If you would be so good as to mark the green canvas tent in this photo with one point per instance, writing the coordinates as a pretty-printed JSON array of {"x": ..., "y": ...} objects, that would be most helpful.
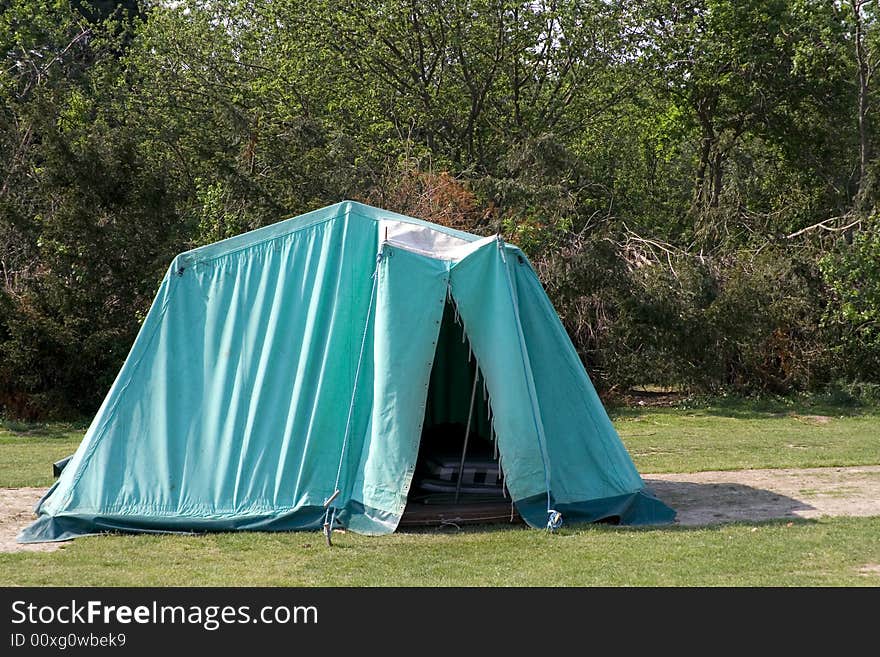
[{"x": 290, "y": 374}]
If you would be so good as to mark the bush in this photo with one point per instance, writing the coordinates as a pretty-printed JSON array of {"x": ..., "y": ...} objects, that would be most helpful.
[
  {"x": 740, "y": 322},
  {"x": 852, "y": 317}
]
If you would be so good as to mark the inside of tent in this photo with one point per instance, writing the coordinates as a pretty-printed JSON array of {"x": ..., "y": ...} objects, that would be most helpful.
[{"x": 458, "y": 475}]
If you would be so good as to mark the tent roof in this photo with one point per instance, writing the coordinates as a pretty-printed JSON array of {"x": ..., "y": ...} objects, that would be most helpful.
[{"x": 295, "y": 224}]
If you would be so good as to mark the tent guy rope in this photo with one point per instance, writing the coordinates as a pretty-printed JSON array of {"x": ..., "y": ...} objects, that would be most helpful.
[{"x": 330, "y": 513}]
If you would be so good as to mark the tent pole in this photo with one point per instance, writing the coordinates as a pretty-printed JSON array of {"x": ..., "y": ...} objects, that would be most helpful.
[{"x": 467, "y": 433}]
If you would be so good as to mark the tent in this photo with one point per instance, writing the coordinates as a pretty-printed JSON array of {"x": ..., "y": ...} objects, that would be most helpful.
[{"x": 292, "y": 373}]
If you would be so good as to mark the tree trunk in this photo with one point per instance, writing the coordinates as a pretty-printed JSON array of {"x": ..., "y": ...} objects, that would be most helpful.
[
  {"x": 717, "y": 178},
  {"x": 703, "y": 183},
  {"x": 863, "y": 73},
  {"x": 700, "y": 181}
]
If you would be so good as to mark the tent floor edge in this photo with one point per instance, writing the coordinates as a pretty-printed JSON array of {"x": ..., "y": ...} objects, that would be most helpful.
[{"x": 634, "y": 509}]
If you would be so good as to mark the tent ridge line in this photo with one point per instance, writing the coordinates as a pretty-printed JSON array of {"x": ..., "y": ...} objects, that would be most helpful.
[{"x": 352, "y": 211}]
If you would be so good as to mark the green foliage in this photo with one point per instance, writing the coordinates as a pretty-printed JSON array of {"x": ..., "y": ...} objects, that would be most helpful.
[
  {"x": 852, "y": 270},
  {"x": 651, "y": 158},
  {"x": 729, "y": 73},
  {"x": 87, "y": 215},
  {"x": 763, "y": 323}
]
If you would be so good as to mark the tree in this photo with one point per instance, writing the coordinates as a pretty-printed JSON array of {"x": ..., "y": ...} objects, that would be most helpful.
[
  {"x": 735, "y": 70},
  {"x": 852, "y": 269},
  {"x": 863, "y": 18},
  {"x": 86, "y": 217}
]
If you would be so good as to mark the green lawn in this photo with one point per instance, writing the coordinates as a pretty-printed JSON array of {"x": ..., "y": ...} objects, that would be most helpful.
[
  {"x": 827, "y": 552},
  {"x": 838, "y": 552},
  {"x": 748, "y": 435},
  {"x": 27, "y": 451}
]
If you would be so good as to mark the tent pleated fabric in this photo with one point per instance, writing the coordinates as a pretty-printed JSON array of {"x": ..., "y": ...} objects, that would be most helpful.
[{"x": 284, "y": 366}]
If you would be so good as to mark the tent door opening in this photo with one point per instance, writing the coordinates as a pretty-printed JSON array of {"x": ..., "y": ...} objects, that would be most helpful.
[{"x": 458, "y": 476}]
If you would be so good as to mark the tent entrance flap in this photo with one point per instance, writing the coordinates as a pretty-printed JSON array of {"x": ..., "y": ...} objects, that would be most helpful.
[{"x": 458, "y": 475}]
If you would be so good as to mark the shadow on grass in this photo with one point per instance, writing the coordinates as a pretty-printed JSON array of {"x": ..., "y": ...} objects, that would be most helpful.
[
  {"x": 811, "y": 412},
  {"x": 702, "y": 504},
  {"x": 448, "y": 527},
  {"x": 18, "y": 429},
  {"x": 699, "y": 506},
  {"x": 314, "y": 539}
]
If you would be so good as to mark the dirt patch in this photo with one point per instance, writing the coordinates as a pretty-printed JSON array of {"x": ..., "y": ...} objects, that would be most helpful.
[
  {"x": 650, "y": 398},
  {"x": 815, "y": 420},
  {"x": 16, "y": 511},
  {"x": 703, "y": 498}
]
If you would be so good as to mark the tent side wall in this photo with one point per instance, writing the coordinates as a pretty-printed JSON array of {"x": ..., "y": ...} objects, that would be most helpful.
[
  {"x": 480, "y": 290},
  {"x": 409, "y": 301},
  {"x": 48, "y": 526},
  {"x": 552, "y": 429},
  {"x": 592, "y": 476},
  {"x": 229, "y": 411}
]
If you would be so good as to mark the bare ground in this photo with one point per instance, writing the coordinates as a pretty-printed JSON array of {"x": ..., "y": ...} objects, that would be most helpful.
[
  {"x": 704, "y": 498},
  {"x": 16, "y": 511},
  {"x": 701, "y": 498}
]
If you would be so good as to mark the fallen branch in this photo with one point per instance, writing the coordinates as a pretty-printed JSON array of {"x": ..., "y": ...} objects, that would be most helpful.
[{"x": 823, "y": 225}]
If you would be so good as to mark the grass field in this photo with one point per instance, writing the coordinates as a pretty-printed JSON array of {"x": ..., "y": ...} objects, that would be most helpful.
[
  {"x": 827, "y": 552},
  {"x": 743, "y": 435},
  {"x": 830, "y": 552},
  {"x": 27, "y": 451}
]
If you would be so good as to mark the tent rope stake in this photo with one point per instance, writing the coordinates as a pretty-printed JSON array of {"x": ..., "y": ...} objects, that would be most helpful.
[{"x": 330, "y": 513}]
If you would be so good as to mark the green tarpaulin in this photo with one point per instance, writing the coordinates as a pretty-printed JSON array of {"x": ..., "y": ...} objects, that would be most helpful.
[{"x": 279, "y": 366}]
